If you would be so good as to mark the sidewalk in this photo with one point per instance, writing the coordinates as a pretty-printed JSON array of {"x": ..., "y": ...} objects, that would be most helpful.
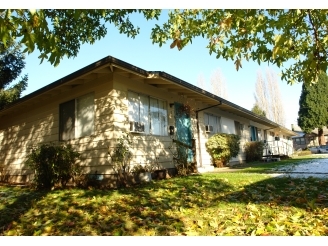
[{"x": 234, "y": 168}]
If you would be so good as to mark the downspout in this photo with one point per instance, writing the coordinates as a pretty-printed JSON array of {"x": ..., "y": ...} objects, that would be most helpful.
[{"x": 198, "y": 132}]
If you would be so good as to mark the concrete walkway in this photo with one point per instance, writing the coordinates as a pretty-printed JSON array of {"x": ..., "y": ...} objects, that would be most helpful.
[
  {"x": 235, "y": 168},
  {"x": 308, "y": 168}
]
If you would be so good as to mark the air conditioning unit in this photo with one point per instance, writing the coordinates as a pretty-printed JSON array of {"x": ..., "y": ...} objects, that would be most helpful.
[
  {"x": 208, "y": 128},
  {"x": 137, "y": 126}
]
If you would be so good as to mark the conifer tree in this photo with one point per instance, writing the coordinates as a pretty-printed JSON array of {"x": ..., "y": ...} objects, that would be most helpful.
[
  {"x": 313, "y": 111},
  {"x": 11, "y": 65},
  {"x": 258, "y": 110}
]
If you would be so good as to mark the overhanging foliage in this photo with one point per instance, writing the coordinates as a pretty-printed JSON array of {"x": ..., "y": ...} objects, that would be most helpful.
[{"x": 298, "y": 36}]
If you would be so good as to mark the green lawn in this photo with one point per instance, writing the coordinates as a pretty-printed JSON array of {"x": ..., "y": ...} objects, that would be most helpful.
[{"x": 238, "y": 203}]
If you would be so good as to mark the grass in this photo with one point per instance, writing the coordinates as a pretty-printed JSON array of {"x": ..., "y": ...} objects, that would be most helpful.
[{"x": 238, "y": 203}]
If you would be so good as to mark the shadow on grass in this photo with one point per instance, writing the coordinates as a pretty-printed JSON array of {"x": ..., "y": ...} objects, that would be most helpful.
[
  {"x": 15, "y": 202},
  {"x": 147, "y": 209},
  {"x": 157, "y": 208}
]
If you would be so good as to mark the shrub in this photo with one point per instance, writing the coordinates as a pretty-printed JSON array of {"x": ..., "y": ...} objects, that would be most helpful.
[
  {"x": 222, "y": 147},
  {"x": 304, "y": 152},
  {"x": 53, "y": 164},
  {"x": 121, "y": 157},
  {"x": 254, "y": 151}
]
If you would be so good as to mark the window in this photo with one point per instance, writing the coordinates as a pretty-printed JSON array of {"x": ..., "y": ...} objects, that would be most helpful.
[
  {"x": 265, "y": 133},
  {"x": 76, "y": 118},
  {"x": 254, "y": 133},
  {"x": 259, "y": 134},
  {"x": 214, "y": 121},
  {"x": 299, "y": 141},
  {"x": 149, "y": 111},
  {"x": 237, "y": 128}
]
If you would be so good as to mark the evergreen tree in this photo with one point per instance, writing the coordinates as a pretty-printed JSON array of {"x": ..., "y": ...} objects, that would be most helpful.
[
  {"x": 257, "y": 110},
  {"x": 313, "y": 111},
  {"x": 11, "y": 65}
]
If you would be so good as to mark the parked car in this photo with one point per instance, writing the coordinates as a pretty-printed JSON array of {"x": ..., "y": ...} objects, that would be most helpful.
[
  {"x": 323, "y": 149},
  {"x": 319, "y": 149}
]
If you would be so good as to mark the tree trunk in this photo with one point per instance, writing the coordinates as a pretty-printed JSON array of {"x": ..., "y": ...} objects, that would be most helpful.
[{"x": 321, "y": 137}]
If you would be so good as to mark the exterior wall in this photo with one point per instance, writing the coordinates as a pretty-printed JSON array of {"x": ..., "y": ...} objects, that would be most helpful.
[
  {"x": 227, "y": 126},
  {"x": 40, "y": 124},
  {"x": 309, "y": 139},
  {"x": 145, "y": 147},
  {"x": 21, "y": 132}
]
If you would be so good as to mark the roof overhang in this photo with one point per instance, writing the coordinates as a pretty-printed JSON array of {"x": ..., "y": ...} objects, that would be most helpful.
[{"x": 157, "y": 79}]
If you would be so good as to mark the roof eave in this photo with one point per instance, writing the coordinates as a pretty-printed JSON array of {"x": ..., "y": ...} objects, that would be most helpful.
[{"x": 133, "y": 69}]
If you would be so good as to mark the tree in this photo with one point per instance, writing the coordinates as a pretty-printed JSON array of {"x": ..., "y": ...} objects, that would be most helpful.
[
  {"x": 257, "y": 110},
  {"x": 261, "y": 94},
  {"x": 58, "y": 32},
  {"x": 218, "y": 84},
  {"x": 201, "y": 81},
  {"x": 313, "y": 104},
  {"x": 268, "y": 98},
  {"x": 270, "y": 36},
  {"x": 11, "y": 65}
]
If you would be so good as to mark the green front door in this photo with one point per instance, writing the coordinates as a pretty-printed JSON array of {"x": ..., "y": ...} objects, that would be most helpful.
[{"x": 183, "y": 126}]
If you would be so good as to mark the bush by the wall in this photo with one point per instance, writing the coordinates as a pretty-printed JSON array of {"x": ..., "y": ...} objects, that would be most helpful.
[
  {"x": 53, "y": 164},
  {"x": 121, "y": 157},
  {"x": 254, "y": 151},
  {"x": 222, "y": 147}
]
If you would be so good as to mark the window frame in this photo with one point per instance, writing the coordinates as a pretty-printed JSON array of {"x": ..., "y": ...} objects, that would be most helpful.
[
  {"x": 77, "y": 121},
  {"x": 216, "y": 128},
  {"x": 149, "y": 122},
  {"x": 256, "y": 133},
  {"x": 259, "y": 134},
  {"x": 238, "y": 131}
]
